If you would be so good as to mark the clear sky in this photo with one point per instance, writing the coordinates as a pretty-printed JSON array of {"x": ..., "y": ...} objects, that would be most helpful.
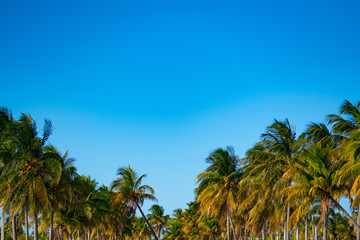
[{"x": 160, "y": 84}]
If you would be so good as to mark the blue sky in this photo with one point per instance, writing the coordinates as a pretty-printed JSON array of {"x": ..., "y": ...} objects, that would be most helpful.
[{"x": 160, "y": 84}]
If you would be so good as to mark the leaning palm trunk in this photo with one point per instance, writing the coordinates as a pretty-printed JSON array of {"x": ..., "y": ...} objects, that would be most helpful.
[
  {"x": 147, "y": 222},
  {"x": 36, "y": 235},
  {"x": 14, "y": 228},
  {"x": 2, "y": 223},
  {"x": 337, "y": 205}
]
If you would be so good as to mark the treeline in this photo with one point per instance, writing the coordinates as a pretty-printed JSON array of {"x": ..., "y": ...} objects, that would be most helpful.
[
  {"x": 286, "y": 187},
  {"x": 41, "y": 190}
]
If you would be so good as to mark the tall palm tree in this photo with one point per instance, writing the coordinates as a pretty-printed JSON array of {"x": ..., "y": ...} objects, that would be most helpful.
[
  {"x": 217, "y": 188},
  {"x": 280, "y": 139},
  {"x": 33, "y": 167},
  {"x": 128, "y": 189}
]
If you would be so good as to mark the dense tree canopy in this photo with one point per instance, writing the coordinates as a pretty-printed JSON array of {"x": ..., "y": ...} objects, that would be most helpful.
[{"x": 288, "y": 186}]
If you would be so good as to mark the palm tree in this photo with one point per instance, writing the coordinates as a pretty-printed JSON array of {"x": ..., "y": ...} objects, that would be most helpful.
[
  {"x": 209, "y": 227},
  {"x": 60, "y": 191},
  {"x": 175, "y": 227},
  {"x": 280, "y": 139},
  {"x": 315, "y": 178},
  {"x": 190, "y": 218},
  {"x": 157, "y": 218},
  {"x": 217, "y": 188},
  {"x": 348, "y": 128},
  {"x": 24, "y": 177},
  {"x": 258, "y": 190},
  {"x": 33, "y": 167},
  {"x": 128, "y": 190}
]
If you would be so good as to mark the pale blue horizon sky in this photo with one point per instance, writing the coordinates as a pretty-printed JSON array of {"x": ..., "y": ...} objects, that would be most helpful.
[{"x": 159, "y": 85}]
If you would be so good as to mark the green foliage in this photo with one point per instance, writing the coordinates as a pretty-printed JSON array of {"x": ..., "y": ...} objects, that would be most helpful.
[{"x": 284, "y": 183}]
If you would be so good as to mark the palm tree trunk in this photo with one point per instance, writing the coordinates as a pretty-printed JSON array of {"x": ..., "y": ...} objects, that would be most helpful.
[
  {"x": 97, "y": 233},
  {"x": 59, "y": 234},
  {"x": 306, "y": 228},
  {"x": 2, "y": 223},
  {"x": 228, "y": 224},
  {"x": 14, "y": 228},
  {"x": 326, "y": 220},
  {"x": 297, "y": 233},
  {"x": 26, "y": 224},
  {"x": 264, "y": 232},
  {"x": 316, "y": 232},
  {"x": 232, "y": 224},
  {"x": 147, "y": 222},
  {"x": 51, "y": 225},
  {"x": 337, "y": 205},
  {"x": 285, "y": 230},
  {"x": 158, "y": 232},
  {"x": 71, "y": 233},
  {"x": 89, "y": 237},
  {"x": 287, "y": 221},
  {"x": 36, "y": 235}
]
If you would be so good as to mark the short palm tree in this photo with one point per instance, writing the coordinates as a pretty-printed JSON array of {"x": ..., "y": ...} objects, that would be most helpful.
[
  {"x": 128, "y": 189},
  {"x": 59, "y": 189},
  {"x": 157, "y": 218}
]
